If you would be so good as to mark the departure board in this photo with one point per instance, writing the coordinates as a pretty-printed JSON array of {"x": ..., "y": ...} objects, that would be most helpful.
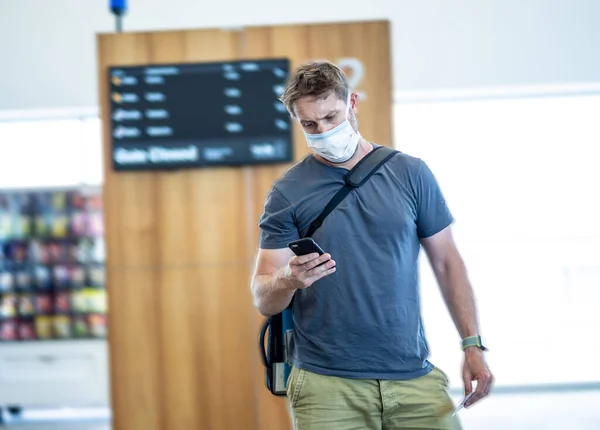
[{"x": 197, "y": 115}]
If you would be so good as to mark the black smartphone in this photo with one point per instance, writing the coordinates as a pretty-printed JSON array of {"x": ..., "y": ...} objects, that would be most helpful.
[{"x": 305, "y": 246}]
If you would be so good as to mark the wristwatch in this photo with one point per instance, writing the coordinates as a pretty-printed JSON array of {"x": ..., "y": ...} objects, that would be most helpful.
[{"x": 473, "y": 341}]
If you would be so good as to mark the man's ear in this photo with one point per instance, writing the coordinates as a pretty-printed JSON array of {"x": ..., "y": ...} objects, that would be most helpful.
[{"x": 354, "y": 101}]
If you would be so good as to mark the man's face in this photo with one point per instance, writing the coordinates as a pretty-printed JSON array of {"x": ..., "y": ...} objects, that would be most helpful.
[{"x": 318, "y": 114}]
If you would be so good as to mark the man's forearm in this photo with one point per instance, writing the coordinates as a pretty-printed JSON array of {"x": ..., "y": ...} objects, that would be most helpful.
[
  {"x": 458, "y": 295},
  {"x": 272, "y": 293}
]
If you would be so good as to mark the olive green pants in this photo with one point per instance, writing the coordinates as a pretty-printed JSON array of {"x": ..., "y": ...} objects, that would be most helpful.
[{"x": 320, "y": 402}]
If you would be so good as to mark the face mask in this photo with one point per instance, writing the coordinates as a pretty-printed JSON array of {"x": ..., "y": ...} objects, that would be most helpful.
[{"x": 337, "y": 145}]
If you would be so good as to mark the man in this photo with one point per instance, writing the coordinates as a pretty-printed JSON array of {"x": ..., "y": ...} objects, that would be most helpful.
[{"x": 359, "y": 351}]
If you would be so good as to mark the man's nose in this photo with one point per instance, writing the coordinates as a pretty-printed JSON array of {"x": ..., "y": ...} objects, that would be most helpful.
[{"x": 322, "y": 128}]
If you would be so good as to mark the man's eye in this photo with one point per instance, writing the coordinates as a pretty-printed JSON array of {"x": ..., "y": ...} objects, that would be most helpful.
[
  {"x": 307, "y": 124},
  {"x": 330, "y": 117}
]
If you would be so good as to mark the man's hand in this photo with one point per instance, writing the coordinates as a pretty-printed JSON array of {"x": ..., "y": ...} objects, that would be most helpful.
[
  {"x": 279, "y": 273},
  {"x": 476, "y": 369},
  {"x": 307, "y": 269}
]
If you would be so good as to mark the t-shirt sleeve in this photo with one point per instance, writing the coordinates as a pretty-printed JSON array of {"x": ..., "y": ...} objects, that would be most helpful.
[
  {"x": 277, "y": 226},
  {"x": 433, "y": 214}
]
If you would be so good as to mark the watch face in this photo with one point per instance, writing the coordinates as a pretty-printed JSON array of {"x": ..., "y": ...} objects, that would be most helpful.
[{"x": 480, "y": 343}]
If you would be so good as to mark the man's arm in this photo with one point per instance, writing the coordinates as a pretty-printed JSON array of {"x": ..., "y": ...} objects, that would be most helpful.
[
  {"x": 279, "y": 273},
  {"x": 451, "y": 274},
  {"x": 272, "y": 291},
  {"x": 456, "y": 289}
]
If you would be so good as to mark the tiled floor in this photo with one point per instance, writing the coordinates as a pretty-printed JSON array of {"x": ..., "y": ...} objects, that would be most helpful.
[
  {"x": 72, "y": 426},
  {"x": 567, "y": 411}
]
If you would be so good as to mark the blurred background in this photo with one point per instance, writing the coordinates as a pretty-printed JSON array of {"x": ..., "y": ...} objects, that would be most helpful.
[{"x": 501, "y": 99}]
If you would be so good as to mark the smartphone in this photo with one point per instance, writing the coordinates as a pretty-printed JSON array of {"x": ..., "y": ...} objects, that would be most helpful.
[
  {"x": 305, "y": 246},
  {"x": 462, "y": 404}
]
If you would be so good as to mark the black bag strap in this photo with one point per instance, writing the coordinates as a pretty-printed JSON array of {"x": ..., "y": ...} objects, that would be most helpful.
[
  {"x": 261, "y": 341},
  {"x": 356, "y": 177}
]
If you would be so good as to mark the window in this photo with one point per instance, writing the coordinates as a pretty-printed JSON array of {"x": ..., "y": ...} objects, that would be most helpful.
[
  {"x": 50, "y": 153},
  {"x": 520, "y": 177}
]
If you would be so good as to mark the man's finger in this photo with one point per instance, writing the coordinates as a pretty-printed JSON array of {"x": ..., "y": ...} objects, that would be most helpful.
[
  {"x": 303, "y": 259},
  {"x": 468, "y": 384},
  {"x": 316, "y": 262},
  {"x": 472, "y": 400},
  {"x": 486, "y": 380},
  {"x": 320, "y": 268},
  {"x": 322, "y": 274},
  {"x": 483, "y": 387}
]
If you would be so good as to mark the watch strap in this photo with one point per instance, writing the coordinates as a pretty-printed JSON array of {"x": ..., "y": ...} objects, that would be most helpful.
[{"x": 473, "y": 341}]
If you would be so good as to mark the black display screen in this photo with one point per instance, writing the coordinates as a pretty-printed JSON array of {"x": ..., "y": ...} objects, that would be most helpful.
[{"x": 199, "y": 115}]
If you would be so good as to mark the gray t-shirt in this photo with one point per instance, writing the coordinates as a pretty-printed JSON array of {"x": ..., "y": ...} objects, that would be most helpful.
[{"x": 364, "y": 320}]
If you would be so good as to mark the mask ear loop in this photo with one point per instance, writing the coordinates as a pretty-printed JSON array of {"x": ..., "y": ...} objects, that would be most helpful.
[
  {"x": 348, "y": 105},
  {"x": 348, "y": 113}
]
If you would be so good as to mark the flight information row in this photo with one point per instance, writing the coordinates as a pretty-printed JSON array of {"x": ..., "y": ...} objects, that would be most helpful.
[
  {"x": 161, "y": 75},
  {"x": 232, "y": 109},
  {"x": 121, "y": 97},
  {"x": 232, "y": 127}
]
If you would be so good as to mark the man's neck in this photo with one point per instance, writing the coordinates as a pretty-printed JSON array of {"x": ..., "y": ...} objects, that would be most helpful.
[{"x": 364, "y": 147}]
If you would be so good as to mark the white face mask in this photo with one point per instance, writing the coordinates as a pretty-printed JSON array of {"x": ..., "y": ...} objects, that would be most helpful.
[{"x": 337, "y": 145}]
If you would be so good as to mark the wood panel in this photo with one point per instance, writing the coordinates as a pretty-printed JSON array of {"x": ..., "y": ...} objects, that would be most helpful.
[
  {"x": 311, "y": 42},
  {"x": 181, "y": 245},
  {"x": 133, "y": 318}
]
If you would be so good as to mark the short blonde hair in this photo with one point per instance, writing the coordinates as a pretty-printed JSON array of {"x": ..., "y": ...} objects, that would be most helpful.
[{"x": 318, "y": 78}]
